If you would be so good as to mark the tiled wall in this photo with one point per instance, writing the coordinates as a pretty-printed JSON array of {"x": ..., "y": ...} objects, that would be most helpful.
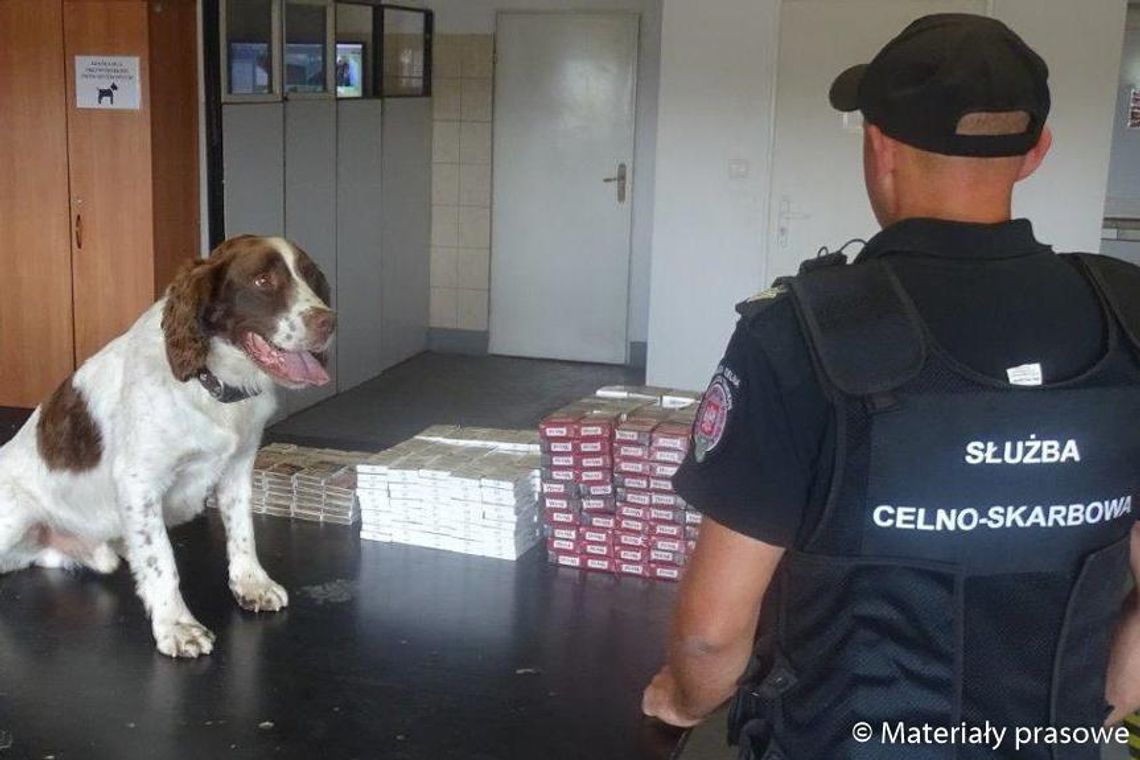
[{"x": 462, "y": 69}]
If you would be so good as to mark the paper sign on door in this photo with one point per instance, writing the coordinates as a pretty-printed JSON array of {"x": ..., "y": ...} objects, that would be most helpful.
[{"x": 107, "y": 82}]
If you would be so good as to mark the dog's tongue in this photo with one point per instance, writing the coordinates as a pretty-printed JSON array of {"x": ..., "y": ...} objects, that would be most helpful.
[{"x": 303, "y": 367}]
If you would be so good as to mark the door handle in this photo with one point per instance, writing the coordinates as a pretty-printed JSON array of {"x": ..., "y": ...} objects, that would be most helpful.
[
  {"x": 79, "y": 231},
  {"x": 621, "y": 180},
  {"x": 784, "y": 220}
]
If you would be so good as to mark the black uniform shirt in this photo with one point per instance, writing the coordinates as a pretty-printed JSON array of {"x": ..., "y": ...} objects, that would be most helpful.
[{"x": 991, "y": 295}]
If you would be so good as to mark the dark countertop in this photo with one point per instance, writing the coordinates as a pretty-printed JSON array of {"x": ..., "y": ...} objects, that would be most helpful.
[{"x": 385, "y": 652}]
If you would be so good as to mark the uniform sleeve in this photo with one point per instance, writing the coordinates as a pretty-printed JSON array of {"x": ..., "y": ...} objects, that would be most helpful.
[{"x": 746, "y": 469}]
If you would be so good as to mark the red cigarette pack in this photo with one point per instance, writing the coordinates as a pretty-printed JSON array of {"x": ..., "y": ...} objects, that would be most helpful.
[
  {"x": 562, "y": 474},
  {"x": 566, "y": 560},
  {"x": 597, "y": 425},
  {"x": 561, "y": 503},
  {"x": 594, "y": 476},
  {"x": 593, "y": 461},
  {"x": 667, "y": 530},
  {"x": 633, "y": 467},
  {"x": 596, "y": 550},
  {"x": 599, "y": 564},
  {"x": 556, "y": 488},
  {"x": 562, "y": 532},
  {"x": 639, "y": 569},
  {"x": 660, "y": 543},
  {"x": 633, "y": 511},
  {"x": 660, "y": 557},
  {"x": 671, "y": 435},
  {"x": 595, "y": 535},
  {"x": 636, "y": 554},
  {"x": 596, "y": 490},
  {"x": 555, "y": 545},
  {"x": 557, "y": 446},
  {"x": 561, "y": 517},
  {"x": 596, "y": 446},
  {"x": 560, "y": 425},
  {"x": 632, "y": 525},
  {"x": 602, "y": 504},
  {"x": 635, "y": 430},
  {"x": 667, "y": 456},
  {"x": 658, "y": 499},
  {"x": 631, "y": 451},
  {"x": 634, "y": 496},
  {"x": 621, "y": 538},
  {"x": 665, "y": 572},
  {"x": 639, "y": 482},
  {"x": 603, "y": 521}
]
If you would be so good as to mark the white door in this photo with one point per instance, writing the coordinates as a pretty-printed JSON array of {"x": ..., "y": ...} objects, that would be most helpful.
[
  {"x": 818, "y": 198},
  {"x": 563, "y": 173}
]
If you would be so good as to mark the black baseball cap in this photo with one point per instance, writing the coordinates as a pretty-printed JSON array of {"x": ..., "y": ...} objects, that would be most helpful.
[{"x": 941, "y": 68}]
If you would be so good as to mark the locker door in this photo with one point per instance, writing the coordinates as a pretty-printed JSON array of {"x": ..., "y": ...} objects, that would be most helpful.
[
  {"x": 310, "y": 206},
  {"x": 110, "y": 170},
  {"x": 35, "y": 249}
]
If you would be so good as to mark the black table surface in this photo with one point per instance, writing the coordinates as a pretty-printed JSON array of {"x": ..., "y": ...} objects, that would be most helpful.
[{"x": 384, "y": 652}]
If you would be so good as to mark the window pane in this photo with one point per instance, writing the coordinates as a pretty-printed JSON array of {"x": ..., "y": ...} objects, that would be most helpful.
[
  {"x": 249, "y": 46},
  {"x": 403, "y": 52},
  {"x": 355, "y": 47},
  {"x": 305, "y": 48}
]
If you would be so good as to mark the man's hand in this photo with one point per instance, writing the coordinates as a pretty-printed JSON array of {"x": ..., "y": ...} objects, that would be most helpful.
[
  {"x": 660, "y": 700},
  {"x": 1122, "y": 686},
  {"x": 714, "y": 625}
]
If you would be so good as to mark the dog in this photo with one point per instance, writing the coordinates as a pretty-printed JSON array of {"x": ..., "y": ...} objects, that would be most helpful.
[
  {"x": 108, "y": 92},
  {"x": 169, "y": 411}
]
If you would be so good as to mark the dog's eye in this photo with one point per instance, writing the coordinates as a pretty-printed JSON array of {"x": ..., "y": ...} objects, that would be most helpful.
[{"x": 264, "y": 281}]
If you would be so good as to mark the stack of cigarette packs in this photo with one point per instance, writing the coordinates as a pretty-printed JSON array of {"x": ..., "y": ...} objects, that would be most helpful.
[
  {"x": 468, "y": 490},
  {"x": 318, "y": 485},
  {"x": 607, "y": 492}
]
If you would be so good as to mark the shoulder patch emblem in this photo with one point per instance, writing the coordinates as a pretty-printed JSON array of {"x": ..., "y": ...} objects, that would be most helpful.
[
  {"x": 712, "y": 417},
  {"x": 767, "y": 295}
]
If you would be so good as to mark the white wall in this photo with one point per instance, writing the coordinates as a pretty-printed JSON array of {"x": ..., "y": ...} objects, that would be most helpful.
[
  {"x": 717, "y": 65},
  {"x": 478, "y": 17},
  {"x": 1081, "y": 42},
  {"x": 1124, "y": 168},
  {"x": 709, "y": 239}
]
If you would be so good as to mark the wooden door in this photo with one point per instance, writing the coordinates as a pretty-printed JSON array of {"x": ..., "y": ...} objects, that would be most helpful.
[
  {"x": 35, "y": 250},
  {"x": 110, "y": 169}
]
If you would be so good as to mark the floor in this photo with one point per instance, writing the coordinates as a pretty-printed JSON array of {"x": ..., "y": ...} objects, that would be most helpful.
[
  {"x": 447, "y": 389},
  {"x": 384, "y": 652}
]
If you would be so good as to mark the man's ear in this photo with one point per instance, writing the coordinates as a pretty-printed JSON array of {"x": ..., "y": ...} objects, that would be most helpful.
[
  {"x": 183, "y": 317},
  {"x": 882, "y": 151},
  {"x": 1036, "y": 155}
]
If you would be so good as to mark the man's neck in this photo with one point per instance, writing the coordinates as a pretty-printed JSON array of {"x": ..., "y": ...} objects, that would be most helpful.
[{"x": 971, "y": 213}]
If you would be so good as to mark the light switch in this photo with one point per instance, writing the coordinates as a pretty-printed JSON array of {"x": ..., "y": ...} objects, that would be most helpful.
[{"x": 738, "y": 168}]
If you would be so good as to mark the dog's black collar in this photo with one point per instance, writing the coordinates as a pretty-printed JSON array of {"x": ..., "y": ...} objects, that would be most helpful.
[{"x": 226, "y": 394}]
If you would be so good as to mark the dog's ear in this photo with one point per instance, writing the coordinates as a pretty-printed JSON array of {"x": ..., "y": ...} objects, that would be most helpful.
[{"x": 184, "y": 318}]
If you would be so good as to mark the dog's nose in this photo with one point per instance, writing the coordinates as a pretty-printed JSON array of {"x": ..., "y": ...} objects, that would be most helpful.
[{"x": 320, "y": 323}]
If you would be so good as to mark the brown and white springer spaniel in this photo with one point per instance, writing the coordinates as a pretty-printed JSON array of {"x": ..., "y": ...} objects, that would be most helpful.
[{"x": 135, "y": 439}]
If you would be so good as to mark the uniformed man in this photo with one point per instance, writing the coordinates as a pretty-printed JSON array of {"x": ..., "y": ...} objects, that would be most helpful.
[{"x": 921, "y": 471}]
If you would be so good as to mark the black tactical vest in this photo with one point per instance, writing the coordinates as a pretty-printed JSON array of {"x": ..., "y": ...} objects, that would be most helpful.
[{"x": 972, "y": 557}]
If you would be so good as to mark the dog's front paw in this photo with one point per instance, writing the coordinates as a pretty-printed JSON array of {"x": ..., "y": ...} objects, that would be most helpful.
[
  {"x": 259, "y": 594},
  {"x": 103, "y": 559},
  {"x": 186, "y": 638}
]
